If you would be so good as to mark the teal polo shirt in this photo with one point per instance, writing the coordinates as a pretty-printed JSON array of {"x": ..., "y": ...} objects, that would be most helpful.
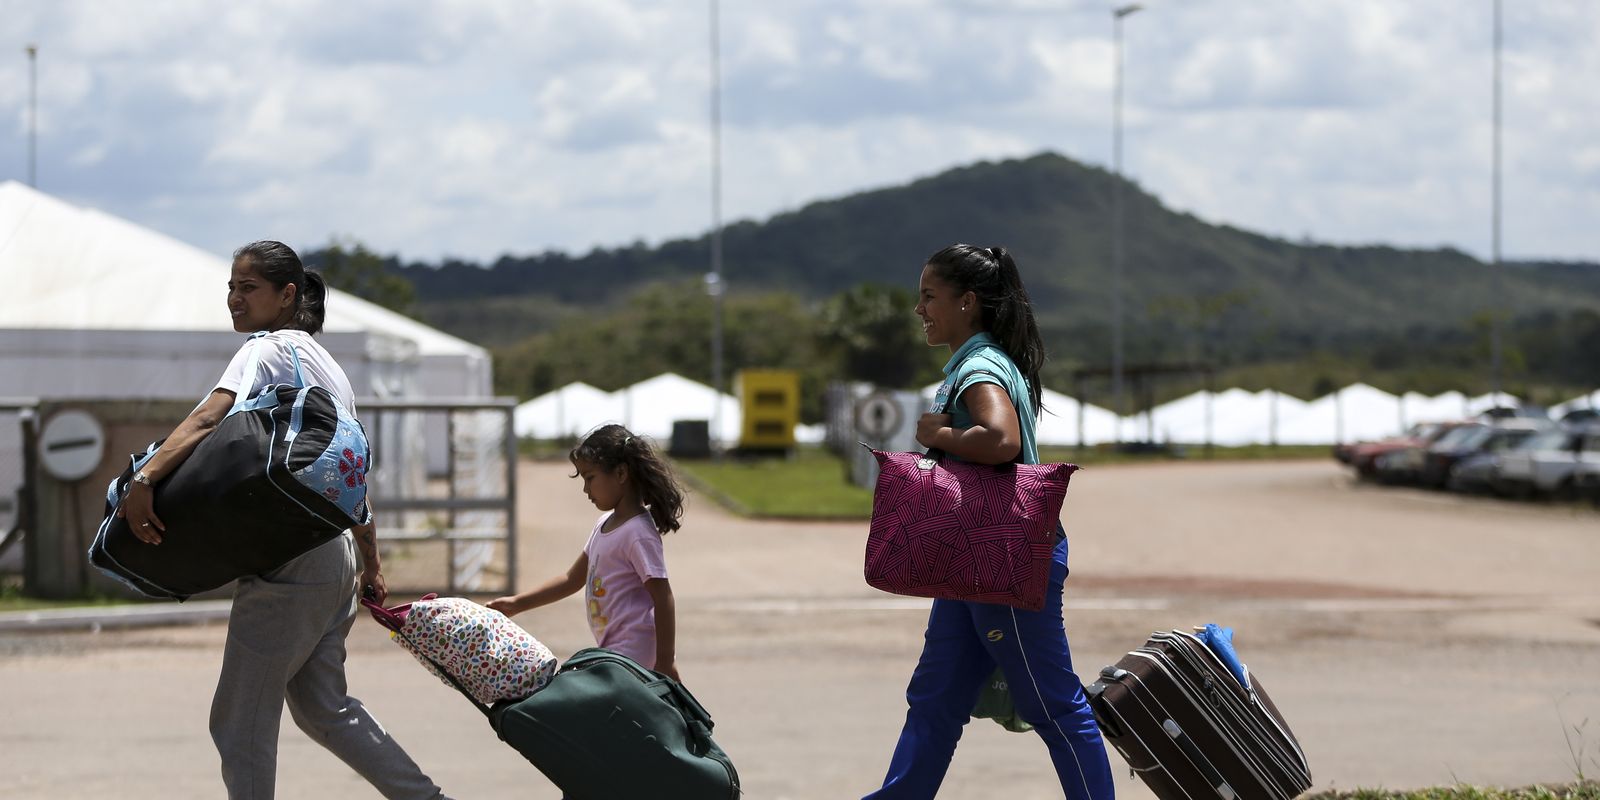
[{"x": 982, "y": 360}]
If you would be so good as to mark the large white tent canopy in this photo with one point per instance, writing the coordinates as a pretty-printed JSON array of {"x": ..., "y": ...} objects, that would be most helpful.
[{"x": 97, "y": 306}]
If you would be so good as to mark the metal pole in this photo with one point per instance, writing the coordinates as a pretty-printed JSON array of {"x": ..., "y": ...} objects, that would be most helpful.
[
  {"x": 511, "y": 499},
  {"x": 1116, "y": 215},
  {"x": 33, "y": 115},
  {"x": 715, "y": 278},
  {"x": 1496, "y": 269}
]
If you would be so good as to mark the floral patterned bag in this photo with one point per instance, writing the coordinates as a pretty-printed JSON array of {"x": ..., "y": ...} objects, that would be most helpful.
[{"x": 475, "y": 649}]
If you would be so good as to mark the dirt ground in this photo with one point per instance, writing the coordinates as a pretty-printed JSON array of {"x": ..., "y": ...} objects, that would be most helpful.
[{"x": 1410, "y": 638}]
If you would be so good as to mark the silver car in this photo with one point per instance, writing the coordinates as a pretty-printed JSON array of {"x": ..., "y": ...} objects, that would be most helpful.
[{"x": 1549, "y": 463}]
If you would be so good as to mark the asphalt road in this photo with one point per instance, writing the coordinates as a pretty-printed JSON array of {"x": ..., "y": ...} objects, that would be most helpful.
[{"x": 1410, "y": 638}]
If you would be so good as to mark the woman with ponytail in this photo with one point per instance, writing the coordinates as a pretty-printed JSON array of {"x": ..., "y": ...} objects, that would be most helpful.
[
  {"x": 972, "y": 301},
  {"x": 287, "y": 627},
  {"x": 622, "y": 569}
]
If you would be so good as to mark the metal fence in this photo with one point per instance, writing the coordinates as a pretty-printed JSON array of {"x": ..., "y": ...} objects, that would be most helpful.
[
  {"x": 452, "y": 530},
  {"x": 17, "y": 418}
]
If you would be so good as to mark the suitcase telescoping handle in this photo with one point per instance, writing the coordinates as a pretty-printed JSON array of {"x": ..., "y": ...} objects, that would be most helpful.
[{"x": 1192, "y": 750}]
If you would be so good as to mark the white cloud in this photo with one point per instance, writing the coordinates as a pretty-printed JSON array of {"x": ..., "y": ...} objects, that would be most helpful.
[{"x": 484, "y": 126}]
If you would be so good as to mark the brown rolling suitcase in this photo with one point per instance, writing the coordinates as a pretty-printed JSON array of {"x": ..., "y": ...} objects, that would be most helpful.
[{"x": 1190, "y": 730}]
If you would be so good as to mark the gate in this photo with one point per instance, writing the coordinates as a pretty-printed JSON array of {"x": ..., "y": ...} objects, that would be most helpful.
[{"x": 443, "y": 486}]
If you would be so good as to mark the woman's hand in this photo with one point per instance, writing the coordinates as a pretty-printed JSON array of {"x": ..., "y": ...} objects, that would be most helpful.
[
  {"x": 929, "y": 425},
  {"x": 994, "y": 437},
  {"x": 139, "y": 509},
  {"x": 373, "y": 586},
  {"x": 507, "y": 605},
  {"x": 139, "y": 505}
]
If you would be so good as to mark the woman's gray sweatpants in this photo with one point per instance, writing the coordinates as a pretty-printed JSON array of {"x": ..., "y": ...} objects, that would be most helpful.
[{"x": 286, "y": 643}]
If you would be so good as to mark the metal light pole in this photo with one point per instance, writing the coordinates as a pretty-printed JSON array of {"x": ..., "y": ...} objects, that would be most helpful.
[
  {"x": 714, "y": 285},
  {"x": 1495, "y": 267},
  {"x": 1116, "y": 214},
  {"x": 33, "y": 115}
]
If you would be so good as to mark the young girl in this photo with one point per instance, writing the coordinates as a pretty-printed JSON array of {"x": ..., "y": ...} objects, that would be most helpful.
[
  {"x": 972, "y": 301},
  {"x": 621, "y": 570}
]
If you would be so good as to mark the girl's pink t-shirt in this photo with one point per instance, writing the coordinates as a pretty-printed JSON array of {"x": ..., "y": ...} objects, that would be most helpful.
[{"x": 621, "y": 614}]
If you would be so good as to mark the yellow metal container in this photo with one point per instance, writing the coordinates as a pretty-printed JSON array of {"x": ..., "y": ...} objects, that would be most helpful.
[{"x": 770, "y": 402}]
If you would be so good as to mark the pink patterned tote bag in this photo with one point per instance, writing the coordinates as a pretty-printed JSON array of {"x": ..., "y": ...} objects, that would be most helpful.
[
  {"x": 476, "y": 649},
  {"x": 964, "y": 531}
]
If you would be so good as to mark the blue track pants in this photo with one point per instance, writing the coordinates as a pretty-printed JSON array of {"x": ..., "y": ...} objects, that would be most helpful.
[{"x": 963, "y": 644}]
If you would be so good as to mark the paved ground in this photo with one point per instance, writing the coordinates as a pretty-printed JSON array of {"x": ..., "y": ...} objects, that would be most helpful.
[{"x": 1410, "y": 638}]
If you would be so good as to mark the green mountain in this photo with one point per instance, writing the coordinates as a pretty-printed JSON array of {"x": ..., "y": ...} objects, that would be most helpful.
[{"x": 1193, "y": 290}]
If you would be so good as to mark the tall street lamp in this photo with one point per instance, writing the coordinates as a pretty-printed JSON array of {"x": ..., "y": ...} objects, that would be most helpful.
[
  {"x": 714, "y": 284},
  {"x": 1495, "y": 268},
  {"x": 1117, "y": 15},
  {"x": 33, "y": 115}
]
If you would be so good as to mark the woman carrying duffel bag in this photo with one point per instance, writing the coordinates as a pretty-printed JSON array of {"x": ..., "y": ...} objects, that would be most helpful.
[{"x": 287, "y": 629}]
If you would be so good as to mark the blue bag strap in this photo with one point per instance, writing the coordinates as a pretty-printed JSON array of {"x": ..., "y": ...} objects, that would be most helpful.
[
  {"x": 299, "y": 377},
  {"x": 247, "y": 383}
]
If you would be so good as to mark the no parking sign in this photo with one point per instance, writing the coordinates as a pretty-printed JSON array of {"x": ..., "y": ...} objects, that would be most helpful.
[{"x": 71, "y": 445}]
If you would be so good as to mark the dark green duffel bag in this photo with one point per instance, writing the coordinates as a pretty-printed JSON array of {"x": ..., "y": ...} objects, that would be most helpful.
[{"x": 606, "y": 727}]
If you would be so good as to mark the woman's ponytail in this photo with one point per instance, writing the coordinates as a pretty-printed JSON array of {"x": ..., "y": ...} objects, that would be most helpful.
[
  {"x": 313, "y": 308},
  {"x": 1015, "y": 326},
  {"x": 991, "y": 274}
]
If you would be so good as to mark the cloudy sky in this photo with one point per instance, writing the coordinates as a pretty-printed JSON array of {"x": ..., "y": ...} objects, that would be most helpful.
[{"x": 478, "y": 127}]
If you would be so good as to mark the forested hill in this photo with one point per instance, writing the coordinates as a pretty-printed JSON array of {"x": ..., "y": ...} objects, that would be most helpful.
[{"x": 1186, "y": 280}]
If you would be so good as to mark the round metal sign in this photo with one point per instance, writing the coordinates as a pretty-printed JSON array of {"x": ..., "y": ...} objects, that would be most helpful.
[
  {"x": 877, "y": 416},
  {"x": 71, "y": 445}
]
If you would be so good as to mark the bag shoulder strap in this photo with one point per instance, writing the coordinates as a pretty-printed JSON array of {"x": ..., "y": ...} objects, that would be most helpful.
[
  {"x": 247, "y": 381},
  {"x": 247, "y": 384}
]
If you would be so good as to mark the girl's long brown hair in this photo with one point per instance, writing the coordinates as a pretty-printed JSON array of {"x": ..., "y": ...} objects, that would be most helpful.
[{"x": 611, "y": 446}]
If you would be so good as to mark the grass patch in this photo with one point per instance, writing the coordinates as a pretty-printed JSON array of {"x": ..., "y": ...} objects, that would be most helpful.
[
  {"x": 812, "y": 484},
  {"x": 1582, "y": 790},
  {"x": 12, "y": 599}
]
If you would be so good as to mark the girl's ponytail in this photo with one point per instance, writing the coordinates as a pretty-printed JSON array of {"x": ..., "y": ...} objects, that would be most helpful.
[{"x": 991, "y": 274}]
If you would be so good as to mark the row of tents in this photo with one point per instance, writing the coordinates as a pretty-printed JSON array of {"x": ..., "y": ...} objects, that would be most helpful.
[{"x": 1234, "y": 417}]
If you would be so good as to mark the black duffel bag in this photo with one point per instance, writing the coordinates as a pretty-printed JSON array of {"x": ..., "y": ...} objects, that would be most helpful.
[{"x": 284, "y": 472}]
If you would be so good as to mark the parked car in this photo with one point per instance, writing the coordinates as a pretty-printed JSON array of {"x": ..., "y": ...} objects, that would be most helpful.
[
  {"x": 1404, "y": 464},
  {"x": 1363, "y": 456},
  {"x": 1440, "y": 459},
  {"x": 1547, "y": 463},
  {"x": 1476, "y": 471},
  {"x": 1580, "y": 416},
  {"x": 1586, "y": 481}
]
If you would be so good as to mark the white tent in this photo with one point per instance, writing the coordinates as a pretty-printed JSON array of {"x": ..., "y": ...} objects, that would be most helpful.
[
  {"x": 98, "y": 306},
  {"x": 1354, "y": 413},
  {"x": 1058, "y": 425},
  {"x": 1416, "y": 407},
  {"x": 650, "y": 407},
  {"x": 1191, "y": 418},
  {"x": 572, "y": 410},
  {"x": 1246, "y": 418}
]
